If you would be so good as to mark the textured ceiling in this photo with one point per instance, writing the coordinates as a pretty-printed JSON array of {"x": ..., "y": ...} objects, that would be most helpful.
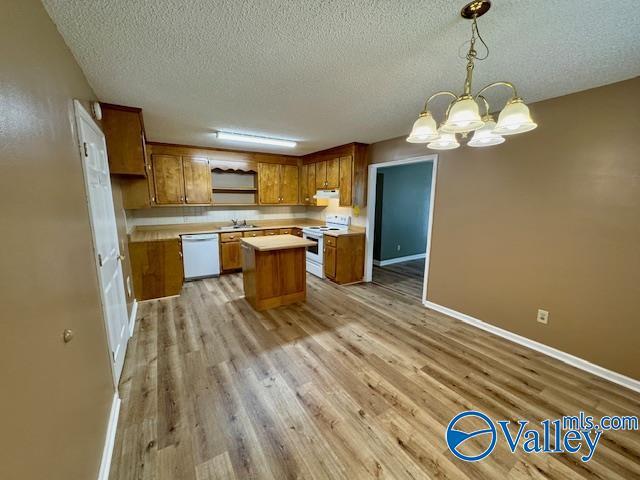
[{"x": 326, "y": 73}]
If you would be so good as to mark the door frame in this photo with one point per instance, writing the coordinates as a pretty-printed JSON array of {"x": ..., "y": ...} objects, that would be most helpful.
[
  {"x": 80, "y": 112},
  {"x": 371, "y": 207}
]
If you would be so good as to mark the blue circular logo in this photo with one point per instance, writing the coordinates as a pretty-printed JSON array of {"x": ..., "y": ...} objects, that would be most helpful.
[{"x": 456, "y": 437}]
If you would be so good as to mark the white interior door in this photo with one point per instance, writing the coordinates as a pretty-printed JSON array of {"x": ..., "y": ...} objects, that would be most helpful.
[{"x": 93, "y": 151}]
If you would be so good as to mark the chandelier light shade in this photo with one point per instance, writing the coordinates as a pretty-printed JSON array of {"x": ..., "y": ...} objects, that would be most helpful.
[
  {"x": 447, "y": 141},
  {"x": 424, "y": 129},
  {"x": 463, "y": 113},
  {"x": 464, "y": 116},
  {"x": 514, "y": 118},
  {"x": 486, "y": 136}
]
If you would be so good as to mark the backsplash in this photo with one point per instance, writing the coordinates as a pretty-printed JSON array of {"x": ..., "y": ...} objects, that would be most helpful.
[
  {"x": 171, "y": 215},
  {"x": 334, "y": 209}
]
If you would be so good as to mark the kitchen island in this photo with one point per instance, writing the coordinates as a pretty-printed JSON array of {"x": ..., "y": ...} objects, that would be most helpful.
[{"x": 274, "y": 270}]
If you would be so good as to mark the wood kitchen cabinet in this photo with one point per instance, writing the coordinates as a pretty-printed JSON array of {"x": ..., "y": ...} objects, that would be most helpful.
[
  {"x": 346, "y": 181},
  {"x": 278, "y": 184},
  {"x": 327, "y": 174},
  {"x": 230, "y": 251},
  {"x": 180, "y": 180},
  {"x": 308, "y": 184},
  {"x": 344, "y": 168},
  {"x": 156, "y": 268},
  {"x": 197, "y": 180},
  {"x": 124, "y": 134},
  {"x": 344, "y": 258},
  {"x": 168, "y": 179}
]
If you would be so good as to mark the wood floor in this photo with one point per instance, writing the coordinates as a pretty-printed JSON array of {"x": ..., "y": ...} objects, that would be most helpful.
[
  {"x": 404, "y": 277},
  {"x": 357, "y": 383}
]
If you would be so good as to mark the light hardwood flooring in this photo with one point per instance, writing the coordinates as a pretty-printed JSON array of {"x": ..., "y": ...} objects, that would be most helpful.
[
  {"x": 404, "y": 277},
  {"x": 359, "y": 382}
]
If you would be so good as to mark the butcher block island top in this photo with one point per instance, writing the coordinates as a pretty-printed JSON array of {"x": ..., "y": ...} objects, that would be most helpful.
[
  {"x": 274, "y": 270},
  {"x": 276, "y": 242}
]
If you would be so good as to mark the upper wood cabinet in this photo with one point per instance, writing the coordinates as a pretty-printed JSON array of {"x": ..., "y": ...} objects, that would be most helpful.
[
  {"x": 344, "y": 168},
  {"x": 289, "y": 183},
  {"x": 304, "y": 185},
  {"x": 168, "y": 179},
  {"x": 278, "y": 184},
  {"x": 333, "y": 173},
  {"x": 268, "y": 183},
  {"x": 321, "y": 175},
  {"x": 328, "y": 174},
  {"x": 197, "y": 180},
  {"x": 346, "y": 181},
  {"x": 124, "y": 134},
  {"x": 181, "y": 180}
]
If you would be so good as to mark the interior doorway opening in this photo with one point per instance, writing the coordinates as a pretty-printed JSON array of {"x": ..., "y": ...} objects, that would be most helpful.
[{"x": 400, "y": 217}]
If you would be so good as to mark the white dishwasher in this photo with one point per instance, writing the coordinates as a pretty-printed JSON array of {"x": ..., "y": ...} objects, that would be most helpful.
[{"x": 201, "y": 255}]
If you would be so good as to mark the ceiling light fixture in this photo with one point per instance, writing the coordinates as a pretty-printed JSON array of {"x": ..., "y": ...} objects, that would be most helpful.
[
  {"x": 238, "y": 137},
  {"x": 463, "y": 113}
]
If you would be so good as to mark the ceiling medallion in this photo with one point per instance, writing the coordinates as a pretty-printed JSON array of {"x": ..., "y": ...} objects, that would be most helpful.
[{"x": 463, "y": 113}]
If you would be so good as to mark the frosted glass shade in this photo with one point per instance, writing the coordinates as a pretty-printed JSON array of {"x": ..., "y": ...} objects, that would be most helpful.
[
  {"x": 464, "y": 116},
  {"x": 514, "y": 118},
  {"x": 447, "y": 141},
  {"x": 424, "y": 129},
  {"x": 485, "y": 136}
]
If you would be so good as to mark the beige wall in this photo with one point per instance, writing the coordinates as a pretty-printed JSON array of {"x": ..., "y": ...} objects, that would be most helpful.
[
  {"x": 550, "y": 219},
  {"x": 55, "y": 398}
]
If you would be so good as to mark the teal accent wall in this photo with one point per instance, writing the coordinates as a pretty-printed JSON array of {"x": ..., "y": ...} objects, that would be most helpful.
[{"x": 402, "y": 208}]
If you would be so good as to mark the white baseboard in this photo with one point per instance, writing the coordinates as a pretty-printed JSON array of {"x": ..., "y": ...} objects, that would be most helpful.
[
  {"x": 540, "y": 347},
  {"x": 107, "y": 452},
  {"x": 132, "y": 318},
  {"x": 391, "y": 261}
]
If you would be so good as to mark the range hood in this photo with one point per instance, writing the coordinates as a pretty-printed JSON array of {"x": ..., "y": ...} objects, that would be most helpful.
[{"x": 321, "y": 194}]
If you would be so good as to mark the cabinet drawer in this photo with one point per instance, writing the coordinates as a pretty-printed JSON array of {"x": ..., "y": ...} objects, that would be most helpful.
[
  {"x": 330, "y": 241},
  {"x": 296, "y": 231},
  {"x": 230, "y": 237},
  {"x": 273, "y": 231},
  {"x": 285, "y": 231},
  {"x": 254, "y": 233}
]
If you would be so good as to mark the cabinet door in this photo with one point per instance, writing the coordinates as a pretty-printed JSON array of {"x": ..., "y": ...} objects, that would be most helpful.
[
  {"x": 168, "y": 179},
  {"x": 268, "y": 183},
  {"x": 330, "y": 261},
  {"x": 321, "y": 175},
  {"x": 156, "y": 268},
  {"x": 304, "y": 184},
  {"x": 123, "y": 133},
  {"x": 230, "y": 255},
  {"x": 346, "y": 181},
  {"x": 289, "y": 184},
  {"x": 197, "y": 180},
  {"x": 333, "y": 173}
]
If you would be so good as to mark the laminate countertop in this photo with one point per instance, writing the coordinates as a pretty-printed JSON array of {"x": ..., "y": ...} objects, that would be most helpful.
[
  {"x": 276, "y": 242},
  {"x": 153, "y": 233}
]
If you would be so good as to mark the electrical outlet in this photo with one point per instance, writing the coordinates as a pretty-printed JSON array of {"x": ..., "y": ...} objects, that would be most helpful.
[
  {"x": 397, "y": 248},
  {"x": 543, "y": 316}
]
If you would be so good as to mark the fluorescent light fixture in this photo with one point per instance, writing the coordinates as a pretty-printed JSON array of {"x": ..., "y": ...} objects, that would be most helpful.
[{"x": 237, "y": 137}]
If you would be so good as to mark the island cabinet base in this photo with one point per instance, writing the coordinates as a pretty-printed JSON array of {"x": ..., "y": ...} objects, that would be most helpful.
[{"x": 275, "y": 277}]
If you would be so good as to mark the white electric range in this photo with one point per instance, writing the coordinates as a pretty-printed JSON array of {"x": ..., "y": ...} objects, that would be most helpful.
[{"x": 315, "y": 253}]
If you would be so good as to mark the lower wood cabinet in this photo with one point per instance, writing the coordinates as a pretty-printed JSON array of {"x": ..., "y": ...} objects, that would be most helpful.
[
  {"x": 344, "y": 258},
  {"x": 230, "y": 251},
  {"x": 156, "y": 268},
  {"x": 230, "y": 256}
]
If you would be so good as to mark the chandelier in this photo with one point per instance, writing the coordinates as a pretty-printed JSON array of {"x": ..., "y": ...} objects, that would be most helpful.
[{"x": 463, "y": 113}]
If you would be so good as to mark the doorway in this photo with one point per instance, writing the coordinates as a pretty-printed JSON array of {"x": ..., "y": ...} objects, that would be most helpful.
[
  {"x": 93, "y": 151},
  {"x": 399, "y": 222}
]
